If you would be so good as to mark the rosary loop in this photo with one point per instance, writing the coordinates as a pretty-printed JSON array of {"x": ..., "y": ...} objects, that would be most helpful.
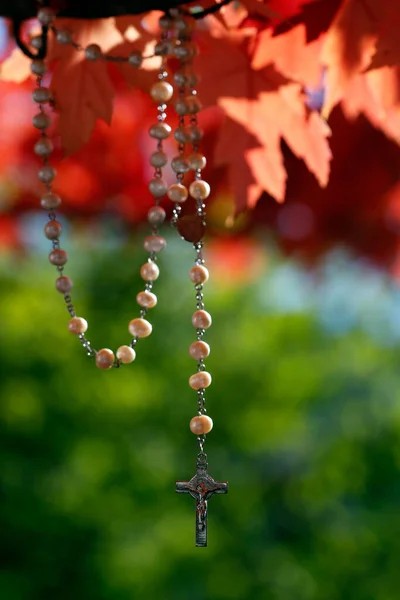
[{"x": 180, "y": 90}]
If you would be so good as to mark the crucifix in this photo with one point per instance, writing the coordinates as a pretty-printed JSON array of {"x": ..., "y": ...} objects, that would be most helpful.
[{"x": 201, "y": 487}]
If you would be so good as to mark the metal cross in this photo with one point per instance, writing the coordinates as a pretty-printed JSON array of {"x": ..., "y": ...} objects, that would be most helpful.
[{"x": 201, "y": 487}]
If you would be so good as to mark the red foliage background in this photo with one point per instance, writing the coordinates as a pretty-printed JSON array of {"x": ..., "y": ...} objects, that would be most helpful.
[{"x": 301, "y": 124}]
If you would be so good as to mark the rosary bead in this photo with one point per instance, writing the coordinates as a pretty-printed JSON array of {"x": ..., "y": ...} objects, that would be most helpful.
[
  {"x": 154, "y": 243},
  {"x": 199, "y": 189},
  {"x": 192, "y": 80},
  {"x": 63, "y": 36},
  {"x": 199, "y": 274},
  {"x": 126, "y": 354},
  {"x": 156, "y": 216},
  {"x": 164, "y": 48},
  {"x": 41, "y": 121},
  {"x": 180, "y": 78},
  {"x": 178, "y": 193},
  {"x": 165, "y": 22},
  {"x": 160, "y": 131},
  {"x": 37, "y": 42},
  {"x": 149, "y": 271},
  {"x": 194, "y": 104},
  {"x": 140, "y": 328},
  {"x": 104, "y": 358},
  {"x": 180, "y": 165},
  {"x": 135, "y": 59},
  {"x": 201, "y": 425},
  {"x": 180, "y": 135},
  {"x": 46, "y": 16},
  {"x": 183, "y": 25},
  {"x": 200, "y": 380},
  {"x": 93, "y": 52},
  {"x": 43, "y": 147},
  {"x": 182, "y": 108},
  {"x": 41, "y": 95},
  {"x": 38, "y": 67},
  {"x": 199, "y": 350},
  {"x": 50, "y": 201},
  {"x": 158, "y": 159},
  {"x": 197, "y": 161},
  {"x": 201, "y": 319},
  {"x": 158, "y": 187},
  {"x": 64, "y": 284},
  {"x": 46, "y": 174},
  {"x": 52, "y": 230},
  {"x": 58, "y": 257},
  {"x": 161, "y": 92},
  {"x": 194, "y": 134},
  {"x": 77, "y": 325},
  {"x": 184, "y": 51},
  {"x": 146, "y": 299}
]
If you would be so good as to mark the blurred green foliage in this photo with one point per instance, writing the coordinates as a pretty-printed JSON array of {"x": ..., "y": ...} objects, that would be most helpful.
[{"x": 306, "y": 429}]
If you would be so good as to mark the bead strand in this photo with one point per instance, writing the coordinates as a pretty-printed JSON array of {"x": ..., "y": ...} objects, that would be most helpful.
[
  {"x": 93, "y": 52},
  {"x": 188, "y": 105},
  {"x": 178, "y": 192},
  {"x": 50, "y": 201},
  {"x": 153, "y": 244}
]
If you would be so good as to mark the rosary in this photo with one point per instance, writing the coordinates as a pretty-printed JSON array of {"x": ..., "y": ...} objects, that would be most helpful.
[{"x": 175, "y": 41}]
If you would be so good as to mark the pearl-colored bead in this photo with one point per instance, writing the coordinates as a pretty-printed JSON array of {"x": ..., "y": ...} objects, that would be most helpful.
[
  {"x": 194, "y": 104},
  {"x": 37, "y": 42},
  {"x": 154, "y": 243},
  {"x": 158, "y": 159},
  {"x": 160, "y": 131},
  {"x": 161, "y": 92},
  {"x": 52, "y": 230},
  {"x": 77, "y": 325},
  {"x": 199, "y": 274},
  {"x": 46, "y": 174},
  {"x": 180, "y": 135},
  {"x": 194, "y": 134},
  {"x": 41, "y": 95},
  {"x": 126, "y": 354},
  {"x": 58, "y": 257},
  {"x": 201, "y": 425},
  {"x": 182, "y": 108},
  {"x": 105, "y": 358},
  {"x": 164, "y": 48},
  {"x": 178, "y": 193},
  {"x": 180, "y": 78},
  {"x": 93, "y": 52},
  {"x": 180, "y": 165},
  {"x": 135, "y": 59},
  {"x": 165, "y": 22},
  {"x": 183, "y": 51},
  {"x": 200, "y": 380},
  {"x": 197, "y": 161},
  {"x": 158, "y": 187},
  {"x": 183, "y": 25},
  {"x": 41, "y": 121},
  {"x": 201, "y": 319},
  {"x": 63, "y": 36},
  {"x": 199, "y": 189},
  {"x": 43, "y": 147},
  {"x": 199, "y": 350},
  {"x": 156, "y": 216},
  {"x": 38, "y": 67},
  {"x": 64, "y": 284},
  {"x": 149, "y": 271},
  {"x": 50, "y": 201},
  {"x": 146, "y": 299},
  {"x": 45, "y": 15},
  {"x": 140, "y": 328}
]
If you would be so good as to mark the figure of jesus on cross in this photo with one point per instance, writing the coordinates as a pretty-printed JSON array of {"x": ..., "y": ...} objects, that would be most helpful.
[{"x": 201, "y": 487}]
